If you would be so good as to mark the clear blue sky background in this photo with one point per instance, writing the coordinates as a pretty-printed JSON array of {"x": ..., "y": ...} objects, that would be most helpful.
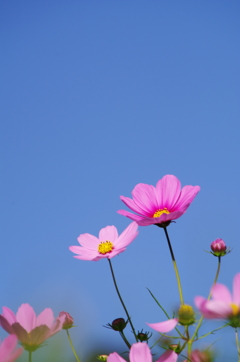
[{"x": 97, "y": 96}]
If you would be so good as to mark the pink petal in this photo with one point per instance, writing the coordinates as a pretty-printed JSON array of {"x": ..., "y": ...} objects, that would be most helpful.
[
  {"x": 46, "y": 318},
  {"x": 109, "y": 233},
  {"x": 236, "y": 289},
  {"x": 114, "y": 253},
  {"x": 142, "y": 221},
  {"x": 221, "y": 293},
  {"x": 9, "y": 315},
  {"x": 133, "y": 206},
  {"x": 187, "y": 195},
  {"x": 127, "y": 236},
  {"x": 26, "y": 317},
  {"x": 169, "y": 356},
  {"x": 88, "y": 241},
  {"x": 140, "y": 352},
  {"x": 21, "y": 333},
  {"x": 168, "y": 191},
  {"x": 212, "y": 309},
  {"x": 144, "y": 197},
  {"x": 38, "y": 335},
  {"x": 164, "y": 327},
  {"x": 7, "y": 353},
  {"x": 114, "y": 357},
  {"x": 83, "y": 252},
  {"x": 5, "y": 325}
]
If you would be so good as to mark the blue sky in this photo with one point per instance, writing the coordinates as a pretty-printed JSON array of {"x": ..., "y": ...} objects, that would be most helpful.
[{"x": 97, "y": 96}]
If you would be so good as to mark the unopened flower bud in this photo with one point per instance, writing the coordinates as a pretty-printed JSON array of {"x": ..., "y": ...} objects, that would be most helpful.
[
  {"x": 118, "y": 324},
  {"x": 219, "y": 247},
  {"x": 102, "y": 357},
  {"x": 143, "y": 336},
  {"x": 175, "y": 347},
  {"x": 68, "y": 323},
  {"x": 186, "y": 315}
]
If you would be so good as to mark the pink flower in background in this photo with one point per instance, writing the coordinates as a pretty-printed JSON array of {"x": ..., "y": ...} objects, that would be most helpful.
[
  {"x": 160, "y": 204},
  {"x": 140, "y": 352},
  {"x": 107, "y": 245},
  {"x": 223, "y": 305},
  {"x": 8, "y": 353},
  {"x": 30, "y": 330}
]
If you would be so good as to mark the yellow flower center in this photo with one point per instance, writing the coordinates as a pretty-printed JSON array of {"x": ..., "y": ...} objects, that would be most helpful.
[
  {"x": 159, "y": 212},
  {"x": 105, "y": 247},
  {"x": 235, "y": 309}
]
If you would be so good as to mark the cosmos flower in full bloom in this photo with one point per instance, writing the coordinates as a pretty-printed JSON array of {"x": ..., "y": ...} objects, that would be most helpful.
[
  {"x": 8, "y": 353},
  {"x": 160, "y": 204},
  {"x": 107, "y": 245},
  {"x": 31, "y": 330},
  {"x": 223, "y": 305},
  {"x": 140, "y": 352}
]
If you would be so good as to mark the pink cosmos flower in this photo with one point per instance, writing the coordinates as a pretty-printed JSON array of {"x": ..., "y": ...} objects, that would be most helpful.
[
  {"x": 31, "y": 330},
  {"x": 107, "y": 245},
  {"x": 222, "y": 305},
  {"x": 140, "y": 352},
  {"x": 160, "y": 204},
  {"x": 8, "y": 353}
]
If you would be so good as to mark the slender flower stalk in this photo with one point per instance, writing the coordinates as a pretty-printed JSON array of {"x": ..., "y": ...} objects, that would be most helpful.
[
  {"x": 201, "y": 319},
  {"x": 237, "y": 343},
  {"x": 30, "y": 356},
  {"x": 72, "y": 346},
  {"x": 121, "y": 300},
  {"x": 175, "y": 266}
]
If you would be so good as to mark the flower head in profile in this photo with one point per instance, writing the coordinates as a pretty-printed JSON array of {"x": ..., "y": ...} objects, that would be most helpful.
[
  {"x": 223, "y": 305},
  {"x": 140, "y": 352},
  {"x": 8, "y": 351},
  {"x": 107, "y": 245},
  {"x": 31, "y": 330},
  {"x": 161, "y": 204}
]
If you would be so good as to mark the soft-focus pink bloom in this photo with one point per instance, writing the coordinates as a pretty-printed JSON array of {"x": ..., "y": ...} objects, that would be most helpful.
[
  {"x": 68, "y": 322},
  {"x": 160, "y": 204},
  {"x": 140, "y": 352},
  {"x": 8, "y": 353},
  {"x": 30, "y": 330},
  {"x": 223, "y": 305},
  {"x": 164, "y": 327},
  {"x": 200, "y": 356},
  {"x": 107, "y": 245}
]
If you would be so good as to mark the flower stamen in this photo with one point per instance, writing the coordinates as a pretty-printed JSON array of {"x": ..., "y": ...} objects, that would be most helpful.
[
  {"x": 235, "y": 309},
  {"x": 159, "y": 212},
  {"x": 105, "y": 247}
]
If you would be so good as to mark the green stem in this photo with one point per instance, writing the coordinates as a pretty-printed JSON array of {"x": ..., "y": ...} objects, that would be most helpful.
[
  {"x": 30, "y": 356},
  {"x": 201, "y": 319},
  {"x": 175, "y": 267},
  {"x": 125, "y": 339},
  {"x": 237, "y": 343},
  {"x": 121, "y": 300},
  {"x": 71, "y": 344}
]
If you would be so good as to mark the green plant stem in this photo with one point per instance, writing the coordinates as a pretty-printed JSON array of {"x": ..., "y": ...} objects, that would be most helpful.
[
  {"x": 237, "y": 343},
  {"x": 30, "y": 356},
  {"x": 71, "y": 344},
  {"x": 121, "y": 300},
  {"x": 175, "y": 266},
  {"x": 125, "y": 339},
  {"x": 201, "y": 319}
]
